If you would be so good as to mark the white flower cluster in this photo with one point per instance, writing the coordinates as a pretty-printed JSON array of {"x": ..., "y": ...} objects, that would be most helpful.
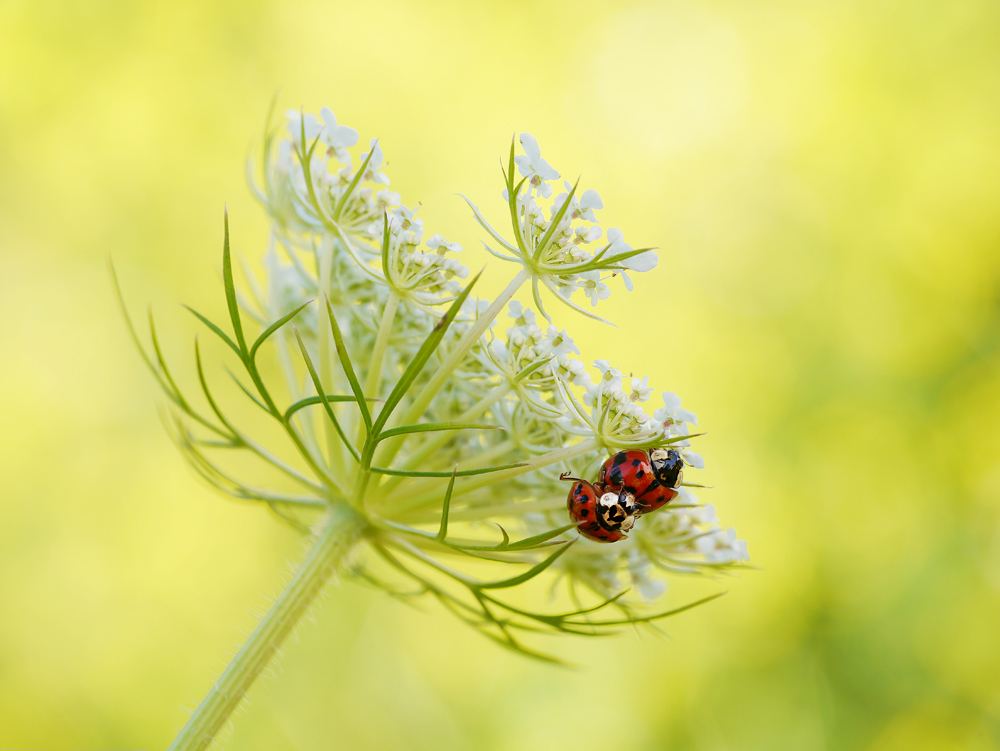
[
  {"x": 340, "y": 235},
  {"x": 556, "y": 240}
]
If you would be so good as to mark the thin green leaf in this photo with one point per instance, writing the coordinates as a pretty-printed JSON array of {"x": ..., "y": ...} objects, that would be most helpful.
[
  {"x": 227, "y": 278},
  {"x": 311, "y": 400},
  {"x": 217, "y": 331},
  {"x": 249, "y": 393},
  {"x": 460, "y": 473},
  {"x": 274, "y": 327},
  {"x": 205, "y": 390},
  {"x": 354, "y": 183},
  {"x": 501, "y": 256},
  {"x": 520, "y": 649},
  {"x": 345, "y": 361},
  {"x": 573, "y": 305},
  {"x": 530, "y": 573},
  {"x": 421, "y": 357},
  {"x": 648, "y": 618},
  {"x": 431, "y": 427},
  {"x": 322, "y": 396},
  {"x": 528, "y": 543},
  {"x": 385, "y": 244},
  {"x": 593, "y": 264},
  {"x": 529, "y": 369},
  {"x": 554, "y": 224},
  {"x": 489, "y": 229},
  {"x": 443, "y": 531}
]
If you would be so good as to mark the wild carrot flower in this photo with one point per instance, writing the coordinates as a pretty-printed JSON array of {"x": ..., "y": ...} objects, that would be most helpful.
[{"x": 419, "y": 423}]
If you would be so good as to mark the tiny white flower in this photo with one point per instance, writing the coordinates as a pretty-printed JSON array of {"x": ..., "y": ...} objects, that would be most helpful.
[
  {"x": 438, "y": 243},
  {"x": 295, "y": 125},
  {"x": 611, "y": 378},
  {"x": 640, "y": 389},
  {"x": 672, "y": 411},
  {"x": 593, "y": 287},
  {"x": 522, "y": 316},
  {"x": 558, "y": 342},
  {"x": 373, "y": 172},
  {"x": 586, "y": 234},
  {"x": 407, "y": 219},
  {"x": 338, "y": 137},
  {"x": 642, "y": 262},
  {"x": 531, "y": 165},
  {"x": 387, "y": 198}
]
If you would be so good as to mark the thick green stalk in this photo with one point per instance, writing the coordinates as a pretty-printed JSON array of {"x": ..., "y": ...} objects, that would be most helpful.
[{"x": 342, "y": 531}]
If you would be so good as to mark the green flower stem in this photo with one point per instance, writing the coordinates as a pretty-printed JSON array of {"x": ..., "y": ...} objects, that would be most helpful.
[
  {"x": 343, "y": 529},
  {"x": 419, "y": 457},
  {"x": 373, "y": 381},
  {"x": 452, "y": 361},
  {"x": 467, "y": 485},
  {"x": 481, "y": 459},
  {"x": 334, "y": 450}
]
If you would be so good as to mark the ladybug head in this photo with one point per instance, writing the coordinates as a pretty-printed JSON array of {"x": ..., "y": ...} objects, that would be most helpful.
[{"x": 667, "y": 467}]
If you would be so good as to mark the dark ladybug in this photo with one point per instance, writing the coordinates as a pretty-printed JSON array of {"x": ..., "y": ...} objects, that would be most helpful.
[
  {"x": 630, "y": 471},
  {"x": 668, "y": 467}
]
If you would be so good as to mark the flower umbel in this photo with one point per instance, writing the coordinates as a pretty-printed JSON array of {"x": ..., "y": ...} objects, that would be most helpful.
[{"x": 414, "y": 427}]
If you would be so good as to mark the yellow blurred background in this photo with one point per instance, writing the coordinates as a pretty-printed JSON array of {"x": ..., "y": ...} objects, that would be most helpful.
[{"x": 823, "y": 179}]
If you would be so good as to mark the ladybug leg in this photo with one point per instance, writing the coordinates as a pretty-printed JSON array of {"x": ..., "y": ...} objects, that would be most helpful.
[{"x": 566, "y": 476}]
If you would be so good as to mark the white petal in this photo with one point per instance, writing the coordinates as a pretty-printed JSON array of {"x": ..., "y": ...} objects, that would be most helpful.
[
  {"x": 671, "y": 401},
  {"x": 683, "y": 415},
  {"x": 642, "y": 262},
  {"x": 694, "y": 459},
  {"x": 591, "y": 200},
  {"x": 530, "y": 146}
]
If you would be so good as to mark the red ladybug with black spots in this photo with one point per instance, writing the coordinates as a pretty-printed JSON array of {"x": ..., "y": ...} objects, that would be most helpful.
[
  {"x": 653, "y": 477},
  {"x": 601, "y": 513}
]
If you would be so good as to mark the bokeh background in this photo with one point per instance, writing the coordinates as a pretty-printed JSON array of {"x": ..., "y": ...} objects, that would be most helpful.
[{"x": 823, "y": 179}]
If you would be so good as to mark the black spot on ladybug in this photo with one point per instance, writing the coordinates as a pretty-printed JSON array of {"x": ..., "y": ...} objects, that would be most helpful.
[
  {"x": 619, "y": 459},
  {"x": 585, "y": 513},
  {"x": 636, "y": 462}
]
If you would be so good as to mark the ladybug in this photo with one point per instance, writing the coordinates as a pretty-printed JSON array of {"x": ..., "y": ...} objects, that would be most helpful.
[
  {"x": 601, "y": 514},
  {"x": 629, "y": 470},
  {"x": 668, "y": 467},
  {"x": 653, "y": 478}
]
